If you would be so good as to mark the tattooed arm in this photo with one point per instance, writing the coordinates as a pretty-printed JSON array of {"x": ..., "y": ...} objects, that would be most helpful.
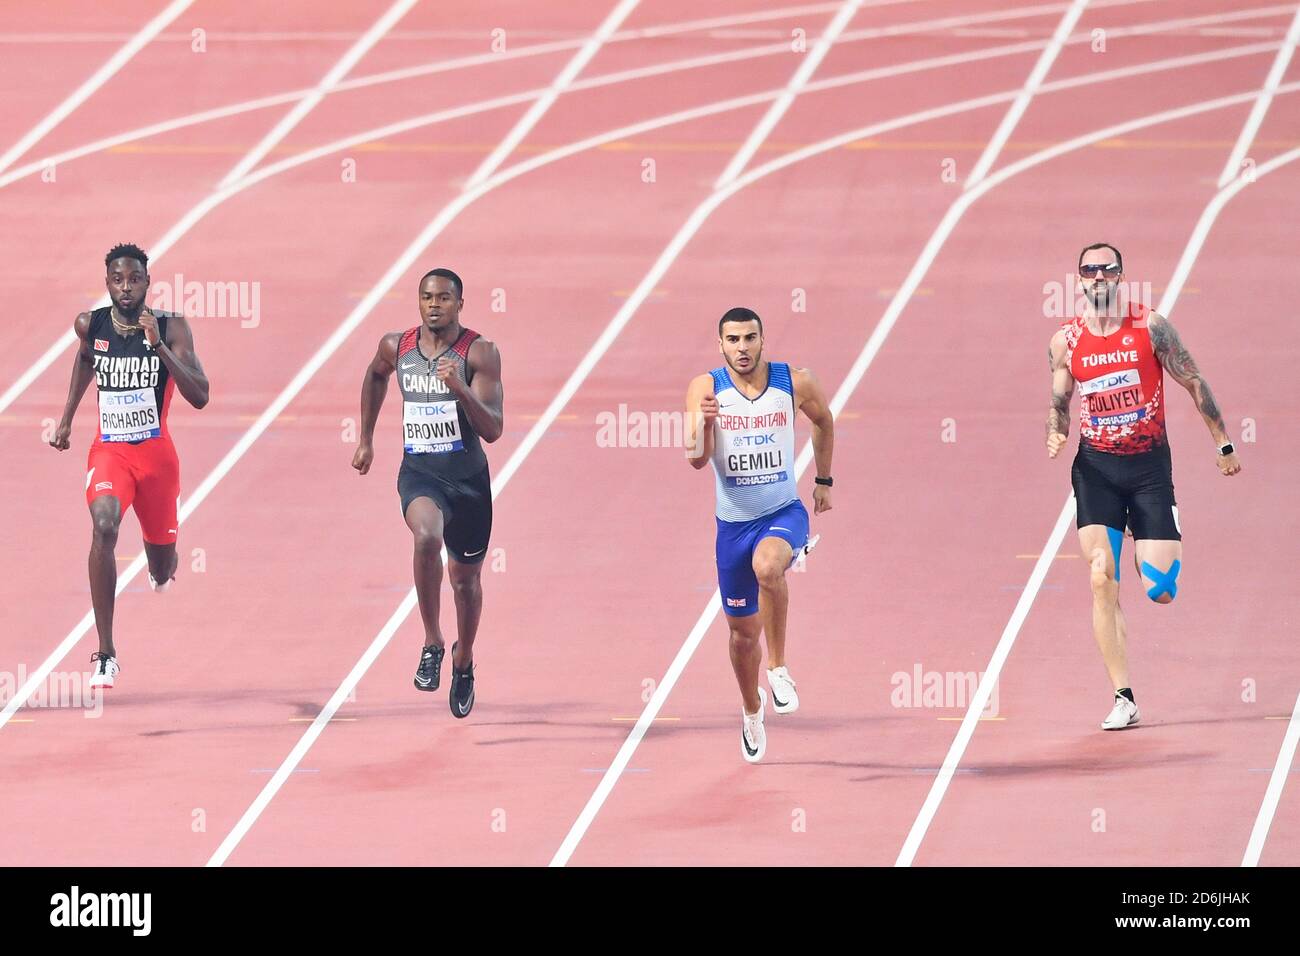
[
  {"x": 1180, "y": 365},
  {"x": 1058, "y": 415}
]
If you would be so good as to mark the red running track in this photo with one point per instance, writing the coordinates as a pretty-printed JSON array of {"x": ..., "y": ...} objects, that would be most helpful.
[{"x": 601, "y": 560}]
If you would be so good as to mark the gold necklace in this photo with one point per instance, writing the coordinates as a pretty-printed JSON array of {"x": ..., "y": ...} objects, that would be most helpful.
[{"x": 122, "y": 328}]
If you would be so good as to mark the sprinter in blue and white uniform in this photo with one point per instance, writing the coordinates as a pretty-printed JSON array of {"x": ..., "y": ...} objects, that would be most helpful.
[{"x": 742, "y": 421}]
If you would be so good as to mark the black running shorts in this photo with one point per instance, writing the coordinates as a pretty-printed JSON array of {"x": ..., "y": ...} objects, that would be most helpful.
[
  {"x": 465, "y": 503},
  {"x": 1133, "y": 490}
]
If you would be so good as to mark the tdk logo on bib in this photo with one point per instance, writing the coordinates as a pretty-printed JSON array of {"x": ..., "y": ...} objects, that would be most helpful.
[
  {"x": 125, "y": 398},
  {"x": 751, "y": 441}
]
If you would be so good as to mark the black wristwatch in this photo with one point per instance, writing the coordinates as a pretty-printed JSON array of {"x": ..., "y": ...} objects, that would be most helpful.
[
  {"x": 825, "y": 481},
  {"x": 1226, "y": 449}
]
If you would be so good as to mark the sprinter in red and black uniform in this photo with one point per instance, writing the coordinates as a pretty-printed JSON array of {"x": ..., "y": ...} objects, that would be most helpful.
[
  {"x": 450, "y": 378},
  {"x": 1117, "y": 353},
  {"x": 137, "y": 358}
]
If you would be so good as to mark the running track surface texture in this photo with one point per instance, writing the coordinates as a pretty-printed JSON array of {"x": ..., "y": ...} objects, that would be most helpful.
[{"x": 913, "y": 175}]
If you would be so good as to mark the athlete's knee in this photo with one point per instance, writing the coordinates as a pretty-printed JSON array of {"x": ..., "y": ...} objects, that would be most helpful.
[
  {"x": 428, "y": 542},
  {"x": 104, "y": 526},
  {"x": 465, "y": 581},
  {"x": 770, "y": 573},
  {"x": 743, "y": 631},
  {"x": 1163, "y": 586},
  {"x": 1102, "y": 577}
]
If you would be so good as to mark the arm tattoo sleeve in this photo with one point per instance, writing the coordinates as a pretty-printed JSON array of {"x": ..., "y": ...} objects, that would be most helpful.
[
  {"x": 1178, "y": 362},
  {"x": 1058, "y": 417}
]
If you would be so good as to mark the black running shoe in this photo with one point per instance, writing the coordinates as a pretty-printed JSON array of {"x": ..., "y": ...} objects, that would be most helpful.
[
  {"x": 429, "y": 674},
  {"x": 461, "y": 697}
]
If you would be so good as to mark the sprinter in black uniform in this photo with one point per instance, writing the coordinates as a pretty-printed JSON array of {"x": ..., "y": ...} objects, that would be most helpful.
[{"x": 450, "y": 379}]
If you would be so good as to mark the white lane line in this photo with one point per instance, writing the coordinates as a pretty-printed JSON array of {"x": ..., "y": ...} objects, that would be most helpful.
[
  {"x": 96, "y": 80},
  {"x": 1247, "y": 136},
  {"x": 812, "y": 59},
  {"x": 1009, "y": 120},
  {"x": 309, "y": 102},
  {"x": 391, "y": 76},
  {"x": 939, "y": 788},
  {"x": 611, "y": 776},
  {"x": 547, "y": 99},
  {"x": 390, "y": 278},
  {"x": 66, "y": 340},
  {"x": 575, "y": 380},
  {"x": 1264, "y": 819},
  {"x": 860, "y": 366},
  {"x": 265, "y": 420},
  {"x": 985, "y": 690}
]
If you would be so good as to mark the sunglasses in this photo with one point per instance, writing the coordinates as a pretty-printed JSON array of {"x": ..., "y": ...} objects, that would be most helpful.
[{"x": 1092, "y": 271}]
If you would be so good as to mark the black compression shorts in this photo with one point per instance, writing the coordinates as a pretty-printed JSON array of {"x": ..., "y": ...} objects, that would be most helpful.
[
  {"x": 1133, "y": 490},
  {"x": 465, "y": 503}
]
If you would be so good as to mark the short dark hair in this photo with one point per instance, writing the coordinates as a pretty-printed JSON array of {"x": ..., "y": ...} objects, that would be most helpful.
[
  {"x": 446, "y": 274},
  {"x": 739, "y": 314},
  {"x": 126, "y": 250},
  {"x": 1102, "y": 245}
]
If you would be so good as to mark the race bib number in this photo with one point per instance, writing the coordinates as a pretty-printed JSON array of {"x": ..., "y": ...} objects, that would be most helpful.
[
  {"x": 130, "y": 415},
  {"x": 753, "y": 459},
  {"x": 1115, "y": 398},
  {"x": 430, "y": 428}
]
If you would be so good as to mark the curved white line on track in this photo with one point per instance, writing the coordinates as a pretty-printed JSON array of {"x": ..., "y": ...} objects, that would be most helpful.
[
  {"x": 349, "y": 59},
  {"x": 312, "y": 99},
  {"x": 340, "y": 334},
  {"x": 66, "y": 340},
  {"x": 1002, "y": 651},
  {"x": 268, "y": 416},
  {"x": 534, "y": 435},
  {"x": 874, "y": 343},
  {"x": 371, "y": 654},
  {"x": 671, "y": 66},
  {"x": 547, "y": 100},
  {"x": 993, "y": 148},
  {"x": 1233, "y": 166},
  {"x": 392, "y": 76},
  {"x": 782, "y": 103},
  {"x": 96, "y": 80}
]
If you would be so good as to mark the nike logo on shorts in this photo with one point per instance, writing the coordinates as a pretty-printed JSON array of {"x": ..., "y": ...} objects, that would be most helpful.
[{"x": 470, "y": 554}]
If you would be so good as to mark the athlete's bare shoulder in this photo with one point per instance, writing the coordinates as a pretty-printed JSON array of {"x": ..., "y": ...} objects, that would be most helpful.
[
  {"x": 484, "y": 356},
  {"x": 81, "y": 325},
  {"x": 1057, "y": 349},
  {"x": 389, "y": 344},
  {"x": 805, "y": 382},
  {"x": 799, "y": 374},
  {"x": 700, "y": 385}
]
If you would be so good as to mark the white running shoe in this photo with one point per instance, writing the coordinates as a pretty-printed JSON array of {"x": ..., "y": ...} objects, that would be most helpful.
[
  {"x": 1124, "y": 714},
  {"x": 160, "y": 588},
  {"x": 784, "y": 698},
  {"x": 753, "y": 738},
  {"x": 104, "y": 672}
]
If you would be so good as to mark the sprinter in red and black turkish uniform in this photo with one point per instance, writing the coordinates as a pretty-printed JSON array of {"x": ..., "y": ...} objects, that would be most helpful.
[
  {"x": 450, "y": 378},
  {"x": 1117, "y": 352},
  {"x": 136, "y": 357}
]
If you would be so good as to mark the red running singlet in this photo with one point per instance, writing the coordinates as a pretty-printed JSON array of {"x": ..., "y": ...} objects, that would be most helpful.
[{"x": 1121, "y": 385}]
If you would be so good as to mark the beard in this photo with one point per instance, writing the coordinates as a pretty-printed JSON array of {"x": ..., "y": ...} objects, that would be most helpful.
[
  {"x": 754, "y": 359},
  {"x": 1104, "y": 297}
]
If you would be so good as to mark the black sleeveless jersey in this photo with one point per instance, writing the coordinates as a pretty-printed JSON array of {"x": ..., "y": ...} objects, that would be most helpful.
[
  {"x": 437, "y": 437},
  {"x": 134, "y": 386}
]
